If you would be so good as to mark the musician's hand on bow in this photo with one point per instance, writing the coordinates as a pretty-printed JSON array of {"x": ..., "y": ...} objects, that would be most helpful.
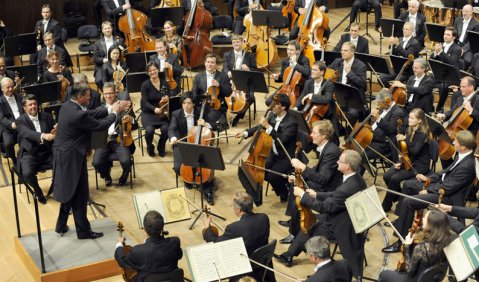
[
  {"x": 275, "y": 76},
  {"x": 393, "y": 40},
  {"x": 173, "y": 140},
  {"x": 298, "y": 164},
  {"x": 409, "y": 239},
  {"x": 126, "y": 6},
  {"x": 291, "y": 179},
  {"x": 311, "y": 193},
  {"x": 264, "y": 123},
  {"x": 444, "y": 208},
  {"x": 437, "y": 48},
  {"x": 397, "y": 166},
  {"x": 400, "y": 137},
  {"x": 309, "y": 96},
  {"x": 201, "y": 122},
  {"x": 165, "y": 98},
  {"x": 423, "y": 192},
  {"x": 127, "y": 118},
  {"x": 375, "y": 114},
  {"x": 240, "y": 134},
  {"x": 421, "y": 177},
  {"x": 168, "y": 65},
  {"x": 441, "y": 117},
  {"x": 467, "y": 106},
  {"x": 121, "y": 240},
  {"x": 206, "y": 221},
  {"x": 298, "y": 192}
]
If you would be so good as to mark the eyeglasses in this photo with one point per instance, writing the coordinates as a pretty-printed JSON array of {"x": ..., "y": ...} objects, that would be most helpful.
[{"x": 109, "y": 93}]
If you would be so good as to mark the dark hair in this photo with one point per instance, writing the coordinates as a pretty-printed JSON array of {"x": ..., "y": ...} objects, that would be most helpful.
[
  {"x": 437, "y": 230},
  {"x": 152, "y": 64},
  {"x": 46, "y": 6},
  {"x": 321, "y": 65},
  {"x": 212, "y": 55},
  {"x": 113, "y": 47},
  {"x": 244, "y": 202},
  {"x": 452, "y": 30},
  {"x": 153, "y": 223},
  {"x": 187, "y": 95},
  {"x": 294, "y": 43},
  {"x": 79, "y": 90},
  {"x": 29, "y": 97},
  {"x": 424, "y": 127},
  {"x": 284, "y": 101}
]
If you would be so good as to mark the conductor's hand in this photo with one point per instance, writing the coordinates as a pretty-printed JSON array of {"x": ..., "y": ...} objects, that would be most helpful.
[{"x": 48, "y": 136}]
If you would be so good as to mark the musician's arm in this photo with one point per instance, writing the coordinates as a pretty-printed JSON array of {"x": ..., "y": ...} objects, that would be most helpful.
[
  {"x": 173, "y": 129},
  {"x": 225, "y": 86},
  {"x": 226, "y": 67},
  {"x": 145, "y": 104},
  {"x": 464, "y": 212},
  {"x": 389, "y": 126},
  {"x": 177, "y": 69},
  {"x": 303, "y": 67},
  {"x": 327, "y": 97},
  {"x": 324, "y": 3},
  {"x": 297, "y": 5},
  {"x": 424, "y": 88},
  {"x": 242, "y": 7},
  {"x": 475, "y": 110},
  {"x": 126, "y": 260},
  {"x": 304, "y": 92},
  {"x": 288, "y": 133},
  {"x": 418, "y": 142},
  {"x": 412, "y": 260},
  {"x": 25, "y": 132},
  {"x": 358, "y": 76},
  {"x": 327, "y": 169}
]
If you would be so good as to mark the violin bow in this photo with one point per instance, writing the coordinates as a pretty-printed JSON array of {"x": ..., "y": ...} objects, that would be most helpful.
[
  {"x": 270, "y": 269},
  {"x": 430, "y": 204},
  {"x": 289, "y": 157}
]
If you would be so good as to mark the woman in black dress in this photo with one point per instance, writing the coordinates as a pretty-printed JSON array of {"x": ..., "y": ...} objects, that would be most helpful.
[
  {"x": 114, "y": 64},
  {"x": 153, "y": 92},
  {"x": 57, "y": 72}
]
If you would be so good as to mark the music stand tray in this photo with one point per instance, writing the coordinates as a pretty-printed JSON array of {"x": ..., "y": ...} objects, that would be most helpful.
[
  {"x": 29, "y": 72},
  {"x": 437, "y": 130},
  {"x": 252, "y": 188},
  {"x": 174, "y": 104},
  {"x": 249, "y": 81},
  {"x": 135, "y": 80},
  {"x": 455, "y": 4},
  {"x": 45, "y": 92},
  {"x": 379, "y": 64},
  {"x": 302, "y": 125},
  {"x": 329, "y": 56},
  {"x": 21, "y": 44},
  {"x": 397, "y": 63},
  {"x": 435, "y": 32},
  {"x": 347, "y": 96},
  {"x": 387, "y": 27},
  {"x": 444, "y": 73},
  {"x": 267, "y": 18},
  {"x": 159, "y": 16}
]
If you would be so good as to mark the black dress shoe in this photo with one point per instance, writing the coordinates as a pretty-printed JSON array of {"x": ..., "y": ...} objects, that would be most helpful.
[
  {"x": 62, "y": 230},
  {"x": 123, "y": 178},
  {"x": 151, "y": 150},
  {"x": 389, "y": 225},
  {"x": 91, "y": 235},
  {"x": 210, "y": 198},
  {"x": 108, "y": 181},
  {"x": 284, "y": 223},
  {"x": 288, "y": 261},
  {"x": 40, "y": 198},
  {"x": 394, "y": 248},
  {"x": 287, "y": 240},
  {"x": 234, "y": 122},
  {"x": 283, "y": 199}
]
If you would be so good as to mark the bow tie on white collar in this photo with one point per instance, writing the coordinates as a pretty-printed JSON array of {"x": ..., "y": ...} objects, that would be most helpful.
[
  {"x": 189, "y": 115},
  {"x": 34, "y": 118},
  {"x": 279, "y": 119}
]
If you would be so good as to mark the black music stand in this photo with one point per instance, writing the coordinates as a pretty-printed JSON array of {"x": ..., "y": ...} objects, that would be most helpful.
[
  {"x": 397, "y": 63},
  {"x": 28, "y": 72},
  {"x": 347, "y": 97},
  {"x": 159, "y": 16},
  {"x": 444, "y": 73},
  {"x": 134, "y": 81},
  {"x": 174, "y": 104},
  {"x": 45, "y": 92},
  {"x": 252, "y": 188},
  {"x": 136, "y": 61},
  {"x": 99, "y": 139},
  {"x": 455, "y": 5},
  {"x": 329, "y": 56},
  {"x": 435, "y": 32},
  {"x": 376, "y": 64},
  {"x": 268, "y": 18},
  {"x": 387, "y": 27},
  {"x": 437, "y": 130},
  {"x": 22, "y": 44},
  {"x": 473, "y": 38},
  {"x": 198, "y": 156}
]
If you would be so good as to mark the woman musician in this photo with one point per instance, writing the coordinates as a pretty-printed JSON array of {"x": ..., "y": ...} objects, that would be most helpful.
[
  {"x": 114, "y": 70},
  {"x": 169, "y": 65},
  {"x": 57, "y": 72},
  {"x": 174, "y": 41}
]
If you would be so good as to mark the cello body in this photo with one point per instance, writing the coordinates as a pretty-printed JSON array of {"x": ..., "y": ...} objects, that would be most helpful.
[
  {"x": 133, "y": 24},
  {"x": 312, "y": 26},
  {"x": 196, "y": 36},
  {"x": 293, "y": 80}
]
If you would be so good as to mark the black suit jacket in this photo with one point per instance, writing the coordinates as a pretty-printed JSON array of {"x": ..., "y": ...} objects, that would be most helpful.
[
  {"x": 110, "y": 8},
  {"x": 200, "y": 88},
  {"x": 95, "y": 100},
  {"x": 300, "y": 4},
  {"x": 387, "y": 126},
  {"x": 422, "y": 94},
  {"x": 54, "y": 27},
  {"x": 42, "y": 59},
  {"x": 6, "y": 114},
  {"x": 420, "y": 25},
  {"x": 302, "y": 66},
  {"x": 452, "y": 56},
  {"x": 474, "y": 127},
  {"x": 229, "y": 61},
  {"x": 362, "y": 46},
  {"x": 472, "y": 26},
  {"x": 100, "y": 51},
  {"x": 173, "y": 61},
  {"x": 324, "y": 97},
  {"x": 356, "y": 77},
  {"x": 156, "y": 255},
  {"x": 333, "y": 271},
  {"x": 29, "y": 139},
  {"x": 325, "y": 175},
  {"x": 412, "y": 47},
  {"x": 463, "y": 212},
  {"x": 179, "y": 127}
]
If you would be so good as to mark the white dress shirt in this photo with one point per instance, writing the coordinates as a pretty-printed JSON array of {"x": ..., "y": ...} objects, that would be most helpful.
[
  {"x": 465, "y": 23},
  {"x": 13, "y": 105},
  {"x": 276, "y": 126},
  {"x": 209, "y": 79}
]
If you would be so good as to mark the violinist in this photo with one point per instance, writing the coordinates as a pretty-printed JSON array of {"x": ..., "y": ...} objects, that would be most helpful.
[
  {"x": 239, "y": 59},
  {"x": 45, "y": 51},
  {"x": 427, "y": 253},
  {"x": 10, "y": 109},
  {"x": 455, "y": 180},
  {"x": 211, "y": 78},
  {"x": 417, "y": 19},
  {"x": 363, "y": 4},
  {"x": 35, "y": 142},
  {"x": 113, "y": 67},
  {"x": 174, "y": 41},
  {"x": 417, "y": 139},
  {"x": 154, "y": 91},
  {"x": 167, "y": 62},
  {"x": 156, "y": 255},
  {"x": 361, "y": 43},
  {"x": 56, "y": 71},
  {"x": 95, "y": 100},
  {"x": 252, "y": 227},
  {"x": 115, "y": 145},
  {"x": 333, "y": 220},
  {"x": 300, "y": 7}
]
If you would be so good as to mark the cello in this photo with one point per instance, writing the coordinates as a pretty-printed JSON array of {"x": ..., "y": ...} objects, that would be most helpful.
[
  {"x": 133, "y": 24},
  {"x": 293, "y": 80},
  {"x": 129, "y": 275},
  {"x": 307, "y": 217},
  {"x": 196, "y": 35},
  {"x": 398, "y": 93}
]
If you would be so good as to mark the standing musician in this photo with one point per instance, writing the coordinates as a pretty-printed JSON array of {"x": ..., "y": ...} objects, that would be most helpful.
[
  {"x": 455, "y": 180},
  {"x": 155, "y": 92},
  {"x": 417, "y": 140},
  {"x": 252, "y": 227},
  {"x": 417, "y": 19},
  {"x": 351, "y": 71},
  {"x": 35, "y": 142},
  {"x": 282, "y": 126},
  {"x": 174, "y": 41},
  {"x": 186, "y": 4},
  {"x": 427, "y": 253},
  {"x": 72, "y": 142},
  {"x": 113, "y": 65},
  {"x": 419, "y": 88},
  {"x": 100, "y": 54},
  {"x": 95, "y": 98},
  {"x": 156, "y": 255},
  {"x": 462, "y": 25},
  {"x": 56, "y": 72},
  {"x": 361, "y": 43},
  {"x": 115, "y": 145},
  {"x": 10, "y": 109},
  {"x": 242, "y": 60},
  {"x": 168, "y": 63},
  {"x": 211, "y": 78},
  {"x": 45, "y": 51},
  {"x": 300, "y": 7},
  {"x": 363, "y": 4},
  {"x": 334, "y": 221}
]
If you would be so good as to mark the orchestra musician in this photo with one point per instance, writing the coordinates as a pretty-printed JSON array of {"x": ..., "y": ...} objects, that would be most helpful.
[
  {"x": 364, "y": 4},
  {"x": 95, "y": 98},
  {"x": 333, "y": 221},
  {"x": 252, "y": 227},
  {"x": 243, "y": 7},
  {"x": 282, "y": 126},
  {"x": 174, "y": 41},
  {"x": 208, "y": 78},
  {"x": 100, "y": 54},
  {"x": 186, "y": 4},
  {"x": 45, "y": 51},
  {"x": 157, "y": 254},
  {"x": 6, "y": 73},
  {"x": 56, "y": 72},
  {"x": 425, "y": 254},
  {"x": 114, "y": 64},
  {"x": 153, "y": 92},
  {"x": 361, "y": 43},
  {"x": 114, "y": 9},
  {"x": 463, "y": 24},
  {"x": 417, "y": 19},
  {"x": 35, "y": 143},
  {"x": 398, "y": 6},
  {"x": 300, "y": 7},
  {"x": 10, "y": 109},
  {"x": 417, "y": 139},
  {"x": 455, "y": 180},
  {"x": 114, "y": 146},
  {"x": 326, "y": 268},
  {"x": 167, "y": 62},
  {"x": 240, "y": 59}
]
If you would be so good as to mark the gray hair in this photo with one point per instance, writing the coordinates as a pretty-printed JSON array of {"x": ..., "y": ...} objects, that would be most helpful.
[
  {"x": 318, "y": 246},
  {"x": 414, "y": 3},
  {"x": 383, "y": 94},
  {"x": 79, "y": 77},
  {"x": 353, "y": 159}
]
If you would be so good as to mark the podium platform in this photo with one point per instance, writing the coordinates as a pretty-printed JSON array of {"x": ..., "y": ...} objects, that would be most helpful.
[{"x": 70, "y": 259}]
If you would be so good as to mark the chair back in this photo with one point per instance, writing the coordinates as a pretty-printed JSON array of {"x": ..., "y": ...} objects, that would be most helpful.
[
  {"x": 173, "y": 276},
  {"x": 88, "y": 32},
  {"x": 263, "y": 255},
  {"x": 434, "y": 151},
  {"x": 434, "y": 273},
  {"x": 223, "y": 21}
]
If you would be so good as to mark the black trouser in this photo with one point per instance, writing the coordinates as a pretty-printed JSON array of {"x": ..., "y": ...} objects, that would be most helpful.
[
  {"x": 150, "y": 132},
  {"x": 103, "y": 165},
  {"x": 30, "y": 165},
  {"x": 393, "y": 178},
  {"x": 358, "y": 4},
  {"x": 9, "y": 141},
  {"x": 281, "y": 165}
]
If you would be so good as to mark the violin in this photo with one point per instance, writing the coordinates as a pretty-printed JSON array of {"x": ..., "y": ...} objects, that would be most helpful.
[
  {"x": 118, "y": 76},
  {"x": 125, "y": 138},
  {"x": 169, "y": 77},
  {"x": 404, "y": 156},
  {"x": 214, "y": 92},
  {"x": 64, "y": 85},
  {"x": 164, "y": 105},
  {"x": 307, "y": 217},
  {"x": 129, "y": 274},
  {"x": 133, "y": 25},
  {"x": 196, "y": 35},
  {"x": 398, "y": 93}
]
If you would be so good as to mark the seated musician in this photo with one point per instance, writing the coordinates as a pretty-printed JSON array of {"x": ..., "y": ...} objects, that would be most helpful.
[
  {"x": 100, "y": 54},
  {"x": 207, "y": 4},
  {"x": 417, "y": 19},
  {"x": 463, "y": 24},
  {"x": 95, "y": 98},
  {"x": 333, "y": 221},
  {"x": 35, "y": 141},
  {"x": 174, "y": 41},
  {"x": 326, "y": 268},
  {"x": 55, "y": 71},
  {"x": 243, "y": 7},
  {"x": 323, "y": 177},
  {"x": 10, "y": 109},
  {"x": 154, "y": 91},
  {"x": 241, "y": 60},
  {"x": 282, "y": 127},
  {"x": 252, "y": 227},
  {"x": 45, "y": 51},
  {"x": 351, "y": 71},
  {"x": 455, "y": 180},
  {"x": 115, "y": 142},
  {"x": 365, "y": 4},
  {"x": 167, "y": 62},
  {"x": 156, "y": 255},
  {"x": 398, "y": 6},
  {"x": 114, "y": 9},
  {"x": 425, "y": 254},
  {"x": 361, "y": 43},
  {"x": 418, "y": 87},
  {"x": 6, "y": 73},
  {"x": 417, "y": 139},
  {"x": 449, "y": 53},
  {"x": 114, "y": 66},
  {"x": 300, "y": 7},
  {"x": 211, "y": 78}
]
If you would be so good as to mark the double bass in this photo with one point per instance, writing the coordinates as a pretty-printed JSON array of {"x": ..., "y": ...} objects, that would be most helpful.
[
  {"x": 196, "y": 35},
  {"x": 133, "y": 24}
]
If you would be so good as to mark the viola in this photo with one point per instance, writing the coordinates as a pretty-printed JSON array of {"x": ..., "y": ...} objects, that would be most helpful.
[
  {"x": 125, "y": 138},
  {"x": 118, "y": 76},
  {"x": 307, "y": 217},
  {"x": 133, "y": 25},
  {"x": 129, "y": 274},
  {"x": 237, "y": 102},
  {"x": 405, "y": 159},
  {"x": 196, "y": 35},
  {"x": 170, "y": 79}
]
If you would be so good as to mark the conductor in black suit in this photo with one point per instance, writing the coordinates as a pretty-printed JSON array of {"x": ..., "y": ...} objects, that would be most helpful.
[
  {"x": 35, "y": 142},
  {"x": 72, "y": 142},
  {"x": 334, "y": 220},
  {"x": 157, "y": 255},
  {"x": 252, "y": 227},
  {"x": 326, "y": 268},
  {"x": 95, "y": 98},
  {"x": 10, "y": 109},
  {"x": 361, "y": 43},
  {"x": 417, "y": 19}
]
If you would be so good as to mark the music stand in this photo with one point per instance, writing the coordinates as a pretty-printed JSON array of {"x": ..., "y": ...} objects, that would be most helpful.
[
  {"x": 329, "y": 56},
  {"x": 29, "y": 72},
  {"x": 397, "y": 63},
  {"x": 347, "y": 97},
  {"x": 437, "y": 130},
  {"x": 136, "y": 61},
  {"x": 376, "y": 64},
  {"x": 21, "y": 44},
  {"x": 99, "y": 139},
  {"x": 135, "y": 80},
  {"x": 159, "y": 16},
  {"x": 249, "y": 81},
  {"x": 45, "y": 92},
  {"x": 54, "y": 110},
  {"x": 269, "y": 19},
  {"x": 387, "y": 27},
  {"x": 174, "y": 104},
  {"x": 198, "y": 156},
  {"x": 252, "y": 188},
  {"x": 435, "y": 32},
  {"x": 444, "y": 72},
  {"x": 454, "y": 4},
  {"x": 473, "y": 38}
]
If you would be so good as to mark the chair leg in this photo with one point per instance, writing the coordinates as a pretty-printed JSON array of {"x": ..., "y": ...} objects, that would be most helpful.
[
  {"x": 335, "y": 249},
  {"x": 266, "y": 191},
  {"x": 176, "y": 180},
  {"x": 131, "y": 179},
  {"x": 249, "y": 117},
  {"x": 96, "y": 179}
]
